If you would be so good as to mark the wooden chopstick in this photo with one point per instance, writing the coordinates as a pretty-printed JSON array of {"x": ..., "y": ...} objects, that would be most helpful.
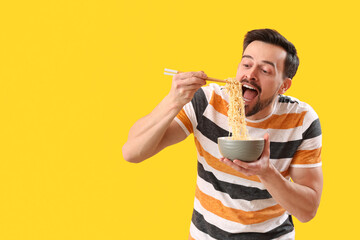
[
  {"x": 211, "y": 79},
  {"x": 216, "y": 80}
]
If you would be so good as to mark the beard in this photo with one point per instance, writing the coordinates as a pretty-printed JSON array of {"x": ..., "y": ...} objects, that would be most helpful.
[{"x": 259, "y": 105}]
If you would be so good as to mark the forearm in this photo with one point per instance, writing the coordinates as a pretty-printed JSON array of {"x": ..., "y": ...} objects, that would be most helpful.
[
  {"x": 299, "y": 200},
  {"x": 146, "y": 134}
]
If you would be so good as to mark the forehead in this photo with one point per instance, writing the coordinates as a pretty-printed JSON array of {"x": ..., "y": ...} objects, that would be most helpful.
[{"x": 261, "y": 51}]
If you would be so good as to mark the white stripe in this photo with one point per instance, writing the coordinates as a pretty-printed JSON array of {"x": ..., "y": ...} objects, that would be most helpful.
[
  {"x": 235, "y": 227},
  {"x": 281, "y": 164},
  {"x": 311, "y": 144},
  {"x": 182, "y": 126},
  {"x": 277, "y": 135},
  {"x": 310, "y": 117},
  {"x": 227, "y": 201},
  {"x": 190, "y": 113},
  {"x": 207, "y": 144},
  {"x": 228, "y": 177},
  {"x": 306, "y": 165},
  {"x": 208, "y": 90},
  {"x": 197, "y": 234},
  {"x": 219, "y": 90},
  {"x": 220, "y": 119},
  {"x": 285, "y": 108}
]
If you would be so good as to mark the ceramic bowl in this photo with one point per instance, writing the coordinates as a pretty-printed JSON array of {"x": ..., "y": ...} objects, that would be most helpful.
[{"x": 245, "y": 150}]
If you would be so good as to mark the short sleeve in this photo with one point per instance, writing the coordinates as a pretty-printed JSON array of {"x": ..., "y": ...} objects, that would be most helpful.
[
  {"x": 309, "y": 152},
  {"x": 192, "y": 112},
  {"x": 183, "y": 120}
]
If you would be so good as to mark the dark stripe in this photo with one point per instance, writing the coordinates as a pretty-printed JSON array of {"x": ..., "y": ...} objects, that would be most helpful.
[
  {"x": 284, "y": 149},
  {"x": 313, "y": 131},
  {"x": 210, "y": 130},
  {"x": 199, "y": 103},
  {"x": 235, "y": 191},
  {"x": 199, "y": 221},
  {"x": 286, "y": 99}
]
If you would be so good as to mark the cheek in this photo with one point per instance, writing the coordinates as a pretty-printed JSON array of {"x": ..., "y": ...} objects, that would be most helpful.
[
  {"x": 269, "y": 89},
  {"x": 239, "y": 75}
]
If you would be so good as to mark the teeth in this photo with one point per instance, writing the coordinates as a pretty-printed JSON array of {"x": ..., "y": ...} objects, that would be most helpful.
[{"x": 247, "y": 86}]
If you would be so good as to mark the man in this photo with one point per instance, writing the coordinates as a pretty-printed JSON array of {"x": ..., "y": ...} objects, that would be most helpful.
[{"x": 235, "y": 199}]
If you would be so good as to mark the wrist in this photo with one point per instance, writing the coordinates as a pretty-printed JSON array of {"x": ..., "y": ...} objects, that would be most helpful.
[
  {"x": 172, "y": 103},
  {"x": 269, "y": 173}
]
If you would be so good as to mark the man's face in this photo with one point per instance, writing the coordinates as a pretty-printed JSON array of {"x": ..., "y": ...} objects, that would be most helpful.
[{"x": 261, "y": 74}]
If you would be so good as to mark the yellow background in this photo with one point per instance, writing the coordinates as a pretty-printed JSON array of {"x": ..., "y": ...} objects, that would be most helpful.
[{"x": 75, "y": 75}]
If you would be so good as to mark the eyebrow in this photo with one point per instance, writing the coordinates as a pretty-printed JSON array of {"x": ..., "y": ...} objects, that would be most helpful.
[{"x": 264, "y": 61}]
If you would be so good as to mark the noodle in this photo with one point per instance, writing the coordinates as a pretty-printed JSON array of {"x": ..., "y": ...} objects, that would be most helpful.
[{"x": 236, "y": 111}]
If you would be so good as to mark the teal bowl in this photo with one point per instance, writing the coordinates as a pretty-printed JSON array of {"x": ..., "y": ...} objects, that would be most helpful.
[{"x": 244, "y": 150}]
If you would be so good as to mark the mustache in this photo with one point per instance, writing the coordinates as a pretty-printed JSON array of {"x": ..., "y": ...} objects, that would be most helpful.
[{"x": 253, "y": 83}]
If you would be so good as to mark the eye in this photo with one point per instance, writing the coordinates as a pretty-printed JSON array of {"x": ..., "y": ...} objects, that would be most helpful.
[
  {"x": 246, "y": 65},
  {"x": 266, "y": 71}
]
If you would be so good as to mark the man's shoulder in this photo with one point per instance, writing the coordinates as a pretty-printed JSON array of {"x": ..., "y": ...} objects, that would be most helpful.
[
  {"x": 292, "y": 104},
  {"x": 289, "y": 104},
  {"x": 211, "y": 89}
]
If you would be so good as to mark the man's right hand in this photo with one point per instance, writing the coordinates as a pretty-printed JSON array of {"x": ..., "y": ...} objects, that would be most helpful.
[{"x": 184, "y": 86}]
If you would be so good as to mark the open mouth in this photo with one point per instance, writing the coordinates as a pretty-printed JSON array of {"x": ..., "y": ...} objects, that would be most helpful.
[{"x": 249, "y": 92}]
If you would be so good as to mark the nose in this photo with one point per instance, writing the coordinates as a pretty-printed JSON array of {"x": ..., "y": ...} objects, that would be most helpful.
[{"x": 251, "y": 74}]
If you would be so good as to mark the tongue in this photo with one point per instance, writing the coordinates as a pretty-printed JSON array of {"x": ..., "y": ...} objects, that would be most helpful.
[{"x": 249, "y": 94}]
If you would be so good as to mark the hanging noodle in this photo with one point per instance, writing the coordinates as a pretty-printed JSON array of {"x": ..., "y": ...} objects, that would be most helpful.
[{"x": 236, "y": 111}]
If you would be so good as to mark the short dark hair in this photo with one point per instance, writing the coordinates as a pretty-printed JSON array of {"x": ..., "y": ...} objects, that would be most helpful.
[{"x": 273, "y": 37}]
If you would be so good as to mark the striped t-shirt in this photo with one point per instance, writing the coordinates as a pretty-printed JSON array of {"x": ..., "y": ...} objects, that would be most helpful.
[{"x": 228, "y": 204}]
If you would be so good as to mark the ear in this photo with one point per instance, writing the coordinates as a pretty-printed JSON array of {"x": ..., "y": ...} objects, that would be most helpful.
[{"x": 285, "y": 86}]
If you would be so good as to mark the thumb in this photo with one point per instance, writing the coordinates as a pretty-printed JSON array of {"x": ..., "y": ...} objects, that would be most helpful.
[{"x": 266, "y": 151}]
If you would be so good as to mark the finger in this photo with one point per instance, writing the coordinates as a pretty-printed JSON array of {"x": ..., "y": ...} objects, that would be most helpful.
[
  {"x": 231, "y": 164},
  {"x": 242, "y": 164},
  {"x": 247, "y": 172},
  {"x": 195, "y": 80},
  {"x": 250, "y": 167},
  {"x": 266, "y": 151}
]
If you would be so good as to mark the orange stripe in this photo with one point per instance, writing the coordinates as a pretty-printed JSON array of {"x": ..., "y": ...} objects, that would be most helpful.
[
  {"x": 185, "y": 120},
  {"x": 284, "y": 121},
  {"x": 307, "y": 156},
  {"x": 216, "y": 164},
  {"x": 219, "y": 104},
  {"x": 191, "y": 238},
  {"x": 252, "y": 217}
]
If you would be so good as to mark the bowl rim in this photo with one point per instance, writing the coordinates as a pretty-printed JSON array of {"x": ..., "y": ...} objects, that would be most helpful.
[{"x": 241, "y": 140}]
